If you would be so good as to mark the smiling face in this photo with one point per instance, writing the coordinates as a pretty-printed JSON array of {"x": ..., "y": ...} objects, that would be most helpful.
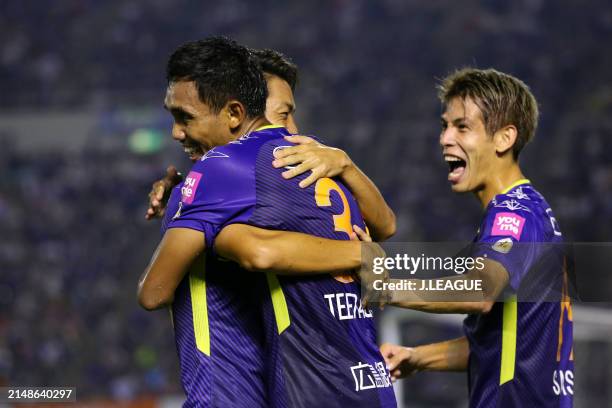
[
  {"x": 195, "y": 126},
  {"x": 467, "y": 148},
  {"x": 199, "y": 129}
]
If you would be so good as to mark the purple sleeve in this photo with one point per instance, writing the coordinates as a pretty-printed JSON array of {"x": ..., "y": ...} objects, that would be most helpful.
[
  {"x": 509, "y": 237},
  {"x": 217, "y": 192}
]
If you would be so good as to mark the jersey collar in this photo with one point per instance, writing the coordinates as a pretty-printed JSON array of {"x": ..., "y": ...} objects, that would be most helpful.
[
  {"x": 515, "y": 184},
  {"x": 267, "y": 127}
]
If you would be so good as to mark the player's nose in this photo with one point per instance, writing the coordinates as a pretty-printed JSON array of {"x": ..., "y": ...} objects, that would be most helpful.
[
  {"x": 178, "y": 133},
  {"x": 447, "y": 138},
  {"x": 291, "y": 126}
]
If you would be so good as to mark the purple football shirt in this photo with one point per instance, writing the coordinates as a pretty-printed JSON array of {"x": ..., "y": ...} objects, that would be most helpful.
[
  {"x": 303, "y": 341},
  {"x": 521, "y": 352}
]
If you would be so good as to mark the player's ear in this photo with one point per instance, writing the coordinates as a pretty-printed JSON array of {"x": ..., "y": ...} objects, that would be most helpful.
[
  {"x": 505, "y": 138},
  {"x": 235, "y": 112}
]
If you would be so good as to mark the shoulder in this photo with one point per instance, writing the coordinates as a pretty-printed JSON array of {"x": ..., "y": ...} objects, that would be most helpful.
[
  {"x": 223, "y": 172},
  {"x": 242, "y": 151},
  {"x": 517, "y": 214}
]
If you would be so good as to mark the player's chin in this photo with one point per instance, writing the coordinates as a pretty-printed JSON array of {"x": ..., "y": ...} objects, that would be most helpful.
[{"x": 460, "y": 186}]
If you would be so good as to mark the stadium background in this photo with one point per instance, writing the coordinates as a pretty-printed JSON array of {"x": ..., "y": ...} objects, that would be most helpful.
[{"x": 83, "y": 134}]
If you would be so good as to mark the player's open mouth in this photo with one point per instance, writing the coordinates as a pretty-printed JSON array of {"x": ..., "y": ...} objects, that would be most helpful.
[{"x": 456, "y": 167}]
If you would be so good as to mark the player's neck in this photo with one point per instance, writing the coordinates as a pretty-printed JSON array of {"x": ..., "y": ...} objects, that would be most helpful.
[
  {"x": 250, "y": 125},
  {"x": 498, "y": 182}
]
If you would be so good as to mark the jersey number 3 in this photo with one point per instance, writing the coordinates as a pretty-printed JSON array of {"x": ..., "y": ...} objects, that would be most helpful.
[{"x": 342, "y": 221}]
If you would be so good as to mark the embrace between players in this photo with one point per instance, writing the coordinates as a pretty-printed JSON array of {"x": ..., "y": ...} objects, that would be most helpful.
[{"x": 261, "y": 257}]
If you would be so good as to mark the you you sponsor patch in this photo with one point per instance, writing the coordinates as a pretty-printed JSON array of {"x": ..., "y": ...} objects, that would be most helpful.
[{"x": 510, "y": 224}]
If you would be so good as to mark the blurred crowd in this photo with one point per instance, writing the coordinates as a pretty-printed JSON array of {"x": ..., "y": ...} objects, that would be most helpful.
[
  {"x": 75, "y": 239},
  {"x": 74, "y": 242}
]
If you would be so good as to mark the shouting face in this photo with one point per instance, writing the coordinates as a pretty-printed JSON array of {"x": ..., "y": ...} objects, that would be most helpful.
[{"x": 466, "y": 147}]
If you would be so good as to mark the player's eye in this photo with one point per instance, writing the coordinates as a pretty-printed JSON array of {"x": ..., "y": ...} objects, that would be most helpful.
[
  {"x": 178, "y": 118},
  {"x": 181, "y": 117}
]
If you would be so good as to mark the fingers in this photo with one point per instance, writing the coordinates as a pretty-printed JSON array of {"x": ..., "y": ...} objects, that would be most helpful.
[
  {"x": 291, "y": 150},
  {"x": 173, "y": 176},
  {"x": 369, "y": 295},
  {"x": 363, "y": 236},
  {"x": 171, "y": 171},
  {"x": 403, "y": 363},
  {"x": 299, "y": 139},
  {"x": 297, "y": 170},
  {"x": 156, "y": 203},
  {"x": 316, "y": 174},
  {"x": 395, "y": 374},
  {"x": 397, "y": 359},
  {"x": 158, "y": 193},
  {"x": 303, "y": 165},
  {"x": 364, "y": 300},
  {"x": 151, "y": 213},
  {"x": 288, "y": 160},
  {"x": 388, "y": 350}
]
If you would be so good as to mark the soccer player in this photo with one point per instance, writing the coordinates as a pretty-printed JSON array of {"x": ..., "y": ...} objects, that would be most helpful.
[
  {"x": 322, "y": 161},
  {"x": 320, "y": 342},
  {"x": 517, "y": 353},
  {"x": 281, "y": 77}
]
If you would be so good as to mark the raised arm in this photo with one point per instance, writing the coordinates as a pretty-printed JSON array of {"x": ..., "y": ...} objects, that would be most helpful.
[{"x": 325, "y": 161}]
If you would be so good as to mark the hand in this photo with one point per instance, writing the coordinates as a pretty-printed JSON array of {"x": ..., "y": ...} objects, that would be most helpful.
[
  {"x": 323, "y": 161},
  {"x": 401, "y": 361},
  {"x": 360, "y": 234},
  {"x": 369, "y": 251},
  {"x": 356, "y": 235},
  {"x": 160, "y": 192}
]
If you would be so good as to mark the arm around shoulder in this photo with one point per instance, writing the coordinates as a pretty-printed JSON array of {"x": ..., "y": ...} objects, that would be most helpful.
[{"x": 284, "y": 252}]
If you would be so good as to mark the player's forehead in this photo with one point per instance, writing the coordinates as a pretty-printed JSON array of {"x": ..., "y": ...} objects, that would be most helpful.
[
  {"x": 182, "y": 95},
  {"x": 459, "y": 108}
]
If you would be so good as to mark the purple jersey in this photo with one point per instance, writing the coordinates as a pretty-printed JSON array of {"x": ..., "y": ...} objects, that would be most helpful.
[
  {"x": 521, "y": 352},
  {"x": 217, "y": 324},
  {"x": 320, "y": 343}
]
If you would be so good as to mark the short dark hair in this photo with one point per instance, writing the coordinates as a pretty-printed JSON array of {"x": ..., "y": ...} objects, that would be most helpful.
[
  {"x": 502, "y": 99},
  {"x": 222, "y": 70},
  {"x": 275, "y": 63}
]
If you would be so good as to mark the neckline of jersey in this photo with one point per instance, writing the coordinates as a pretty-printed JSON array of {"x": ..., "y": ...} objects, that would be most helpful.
[
  {"x": 268, "y": 127},
  {"x": 515, "y": 184},
  {"x": 508, "y": 189}
]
